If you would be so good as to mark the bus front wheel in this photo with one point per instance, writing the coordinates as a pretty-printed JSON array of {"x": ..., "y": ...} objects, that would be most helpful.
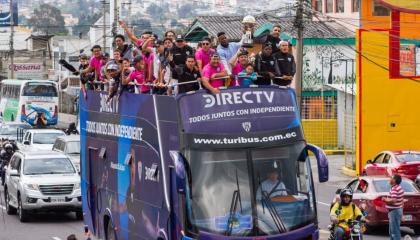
[{"x": 110, "y": 232}]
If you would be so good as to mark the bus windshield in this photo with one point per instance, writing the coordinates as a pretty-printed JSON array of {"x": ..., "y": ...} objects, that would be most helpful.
[
  {"x": 39, "y": 89},
  {"x": 250, "y": 193}
]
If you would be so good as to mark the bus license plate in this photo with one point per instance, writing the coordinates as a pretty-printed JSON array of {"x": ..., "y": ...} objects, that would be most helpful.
[
  {"x": 58, "y": 200},
  {"x": 407, "y": 218}
]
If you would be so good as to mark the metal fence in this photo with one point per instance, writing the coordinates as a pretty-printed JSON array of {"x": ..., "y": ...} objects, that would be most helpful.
[{"x": 329, "y": 121}]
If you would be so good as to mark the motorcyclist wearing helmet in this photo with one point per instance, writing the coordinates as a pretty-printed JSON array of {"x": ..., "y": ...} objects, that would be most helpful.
[
  {"x": 5, "y": 155},
  {"x": 342, "y": 211}
]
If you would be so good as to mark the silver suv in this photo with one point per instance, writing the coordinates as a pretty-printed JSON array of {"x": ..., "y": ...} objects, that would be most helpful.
[{"x": 42, "y": 181}]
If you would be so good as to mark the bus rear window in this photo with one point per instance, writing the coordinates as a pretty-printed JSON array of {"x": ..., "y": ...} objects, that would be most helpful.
[{"x": 40, "y": 89}]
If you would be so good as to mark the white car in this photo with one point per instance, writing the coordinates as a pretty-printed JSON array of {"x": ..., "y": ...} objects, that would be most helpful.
[
  {"x": 42, "y": 181},
  {"x": 41, "y": 139},
  {"x": 69, "y": 145}
]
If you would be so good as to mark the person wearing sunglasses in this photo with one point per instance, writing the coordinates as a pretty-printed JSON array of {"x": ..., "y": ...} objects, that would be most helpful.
[{"x": 203, "y": 54}]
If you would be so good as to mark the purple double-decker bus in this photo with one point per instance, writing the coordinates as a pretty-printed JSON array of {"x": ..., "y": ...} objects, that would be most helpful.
[{"x": 198, "y": 166}]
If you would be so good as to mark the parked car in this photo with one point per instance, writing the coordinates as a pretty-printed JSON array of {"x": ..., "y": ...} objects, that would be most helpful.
[
  {"x": 368, "y": 192},
  {"x": 405, "y": 163},
  {"x": 41, "y": 139},
  {"x": 42, "y": 181},
  {"x": 69, "y": 145},
  {"x": 9, "y": 131}
]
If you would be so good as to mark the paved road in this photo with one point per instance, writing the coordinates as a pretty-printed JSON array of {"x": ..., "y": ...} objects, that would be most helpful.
[
  {"x": 59, "y": 226},
  {"x": 40, "y": 227}
]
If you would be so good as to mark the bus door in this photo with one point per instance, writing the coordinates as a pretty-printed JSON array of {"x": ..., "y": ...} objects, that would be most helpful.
[{"x": 91, "y": 187}]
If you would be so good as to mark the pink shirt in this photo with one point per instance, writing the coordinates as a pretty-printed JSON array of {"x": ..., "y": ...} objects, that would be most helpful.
[
  {"x": 236, "y": 70},
  {"x": 203, "y": 56},
  {"x": 97, "y": 64},
  {"x": 148, "y": 62},
  {"x": 138, "y": 77},
  {"x": 208, "y": 70}
]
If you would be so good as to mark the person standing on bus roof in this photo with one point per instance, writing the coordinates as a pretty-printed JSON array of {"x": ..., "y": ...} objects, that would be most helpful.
[
  {"x": 125, "y": 49},
  {"x": 202, "y": 56},
  {"x": 286, "y": 64},
  {"x": 274, "y": 38},
  {"x": 138, "y": 75},
  {"x": 188, "y": 74},
  {"x": 226, "y": 50},
  {"x": 266, "y": 65},
  {"x": 95, "y": 62},
  {"x": 238, "y": 64},
  {"x": 213, "y": 74}
]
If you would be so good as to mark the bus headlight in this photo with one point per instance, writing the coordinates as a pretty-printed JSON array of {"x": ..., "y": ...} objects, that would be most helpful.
[{"x": 76, "y": 186}]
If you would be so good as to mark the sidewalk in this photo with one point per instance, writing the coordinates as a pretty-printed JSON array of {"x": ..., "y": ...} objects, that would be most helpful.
[{"x": 335, "y": 167}]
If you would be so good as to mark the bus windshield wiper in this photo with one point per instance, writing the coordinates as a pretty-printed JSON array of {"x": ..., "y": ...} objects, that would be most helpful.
[
  {"x": 236, "y": 197},
  {"x": 265, "y": 199}
]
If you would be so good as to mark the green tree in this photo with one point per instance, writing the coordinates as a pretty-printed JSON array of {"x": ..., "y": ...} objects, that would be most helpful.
[
  {"x": 85, "y": 21},
  {"x": 48, "y": 19}
]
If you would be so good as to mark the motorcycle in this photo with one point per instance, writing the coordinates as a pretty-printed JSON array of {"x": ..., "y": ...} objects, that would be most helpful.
[{"x": 353, "y": 232}]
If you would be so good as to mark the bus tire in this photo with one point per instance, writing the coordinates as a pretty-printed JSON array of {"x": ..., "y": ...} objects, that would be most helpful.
[{"x": 110, "y": 232}]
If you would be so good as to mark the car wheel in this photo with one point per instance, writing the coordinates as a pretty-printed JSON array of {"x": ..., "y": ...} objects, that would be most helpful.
[
  {"x": 23, "y": 215},
  {"x": 9, "y": 209},
  {"x": 79, "y": 215},
  {"x": 110, "y": 233}
]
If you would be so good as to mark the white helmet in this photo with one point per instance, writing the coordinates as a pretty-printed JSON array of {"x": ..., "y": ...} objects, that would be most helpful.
[{"x": 249, "y": 19}]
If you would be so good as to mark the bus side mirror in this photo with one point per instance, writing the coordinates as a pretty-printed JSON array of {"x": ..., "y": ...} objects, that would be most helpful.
[
  {"x": 321, "y": 160},
  {"x": 179, "y": 170}
]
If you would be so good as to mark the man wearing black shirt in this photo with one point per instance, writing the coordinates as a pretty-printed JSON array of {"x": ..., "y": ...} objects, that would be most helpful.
[
  {"x": 187, "y": 74},
  {"x": 179, "y": 54},
  {"x": 125, "y": 49},
  {"x": 266, "y": 65},
  {"x": 274, "y": 38},
  {"x": 286, "y": 64}
]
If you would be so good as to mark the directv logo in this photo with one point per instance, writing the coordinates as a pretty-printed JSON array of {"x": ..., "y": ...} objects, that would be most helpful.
[{"x": 230, "y": 98}]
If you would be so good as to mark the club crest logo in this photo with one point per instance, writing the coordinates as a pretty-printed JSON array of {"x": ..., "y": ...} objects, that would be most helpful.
[{"x": 246, "y": 126}]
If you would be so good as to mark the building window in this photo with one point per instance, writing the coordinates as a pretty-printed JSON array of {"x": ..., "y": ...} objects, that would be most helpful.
[
  {"x": 379, "y": 10},
  {"x": 317, "y": 5},
  {"x": 339, "y": 6},
  {"x": 355, "y": 6},
  {"x": 330, "y": 6}
]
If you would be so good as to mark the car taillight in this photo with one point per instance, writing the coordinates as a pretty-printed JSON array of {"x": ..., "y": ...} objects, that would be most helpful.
[
  {"x": 378, "y": 202},
  {"x": 23, "y": 111},
  {"x": 55, "y": 111}
]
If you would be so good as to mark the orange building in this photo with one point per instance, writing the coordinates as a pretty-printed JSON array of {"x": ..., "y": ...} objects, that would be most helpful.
[{"x": 388, "y": 78}]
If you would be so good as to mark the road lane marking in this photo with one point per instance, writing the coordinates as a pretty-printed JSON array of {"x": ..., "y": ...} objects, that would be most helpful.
[
  {"x": 1, "y": 206},
  {"x": 322, "y": 203},
  {"x": 56, "y": 238}
]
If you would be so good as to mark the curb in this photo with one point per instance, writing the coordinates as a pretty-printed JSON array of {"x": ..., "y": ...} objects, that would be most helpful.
[{"x": 349, "y": 172}]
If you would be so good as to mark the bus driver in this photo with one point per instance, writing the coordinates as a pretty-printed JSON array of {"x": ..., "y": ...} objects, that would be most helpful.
[{"x": 272, "y": 186}]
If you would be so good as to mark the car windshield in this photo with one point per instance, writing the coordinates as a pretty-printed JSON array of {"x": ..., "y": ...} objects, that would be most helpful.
[
  {"x": 46, "y": 138},
  {"x": 73, "y": 147},
  {"x": 384, "y": 186},
  {"x": 48, "y": 166},
  {"x": 12, "y": 129},
  {"x": 408, "y": 157},
  {"x": 272, "y": 191},
  {"x": 39, "y": 89}
]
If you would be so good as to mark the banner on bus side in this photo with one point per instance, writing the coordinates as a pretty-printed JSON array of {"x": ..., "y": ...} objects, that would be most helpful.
[{"x": 239, "y": 110}]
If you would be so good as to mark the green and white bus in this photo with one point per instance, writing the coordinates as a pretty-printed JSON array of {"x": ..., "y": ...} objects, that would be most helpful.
[{"x": 23, "y": 100}]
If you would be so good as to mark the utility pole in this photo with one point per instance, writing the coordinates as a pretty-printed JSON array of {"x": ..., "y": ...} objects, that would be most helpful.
[
  {"x": 104, "y": 23},
  {"x": 115, "y": 21},
  {"x": 299, "y": 53},
  {"x": 12, "y": 32}
]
